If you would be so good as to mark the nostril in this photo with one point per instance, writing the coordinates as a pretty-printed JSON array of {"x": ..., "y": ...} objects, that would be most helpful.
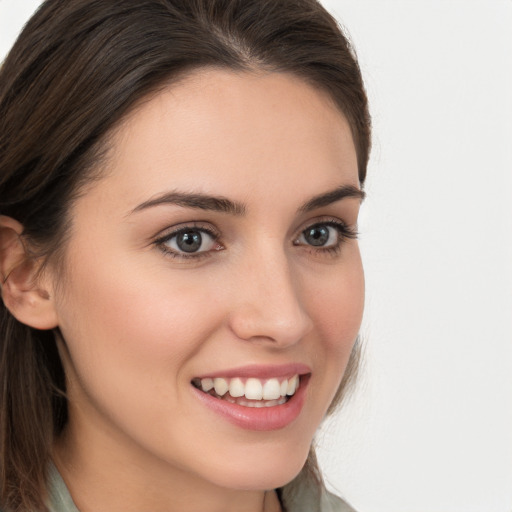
[{"x": 278, "y": 327}]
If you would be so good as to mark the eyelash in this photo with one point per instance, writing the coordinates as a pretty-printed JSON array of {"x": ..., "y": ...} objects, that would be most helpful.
[
  {"x": 345, "y": 233},
  {"x": 161, "y": 242}
]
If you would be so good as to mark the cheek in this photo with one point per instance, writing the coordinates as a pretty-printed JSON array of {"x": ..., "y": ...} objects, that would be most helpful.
[
  {"x": 340, "y": 310},
  {"x": 337, "y": 304},
  {"x": 128, "y": 312},
  {"x": 128, "y": 324},
  {"x": 130, "y": 342}
]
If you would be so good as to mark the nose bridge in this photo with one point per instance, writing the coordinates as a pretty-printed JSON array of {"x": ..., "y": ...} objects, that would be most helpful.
[{"x": 270, "y": 304}]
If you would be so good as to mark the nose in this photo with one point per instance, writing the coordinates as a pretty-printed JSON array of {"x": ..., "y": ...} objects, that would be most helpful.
[{"x": 269, "y": 306}]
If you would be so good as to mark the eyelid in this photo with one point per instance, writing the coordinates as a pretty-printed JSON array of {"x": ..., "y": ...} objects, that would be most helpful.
[
  {"x": 346, "y": 229},
  {"x": 183, "y": 226},
  {"x": 345, "y": 232},
  {"x": 169, "y": 233}
]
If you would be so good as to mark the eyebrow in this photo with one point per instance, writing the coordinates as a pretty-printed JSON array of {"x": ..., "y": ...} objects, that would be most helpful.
[
  {"x": 197, "y": 201},
  {"x": 332, "y": 196},
  {"x": 223, "y": 205}
]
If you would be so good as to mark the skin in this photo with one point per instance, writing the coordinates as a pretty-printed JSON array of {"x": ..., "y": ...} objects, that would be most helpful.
[{"x": 137, "y": 324}]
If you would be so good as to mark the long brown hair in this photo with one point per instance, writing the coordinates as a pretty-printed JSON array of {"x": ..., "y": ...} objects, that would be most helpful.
[{"x": 75, "y": 71}]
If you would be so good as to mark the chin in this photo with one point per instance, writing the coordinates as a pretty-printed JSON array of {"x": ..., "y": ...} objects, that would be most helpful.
[{"x": 266, "y": 469}]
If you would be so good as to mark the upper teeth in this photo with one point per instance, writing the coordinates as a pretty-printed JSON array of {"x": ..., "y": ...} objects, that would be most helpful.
[{"x": 253, "y": 389}]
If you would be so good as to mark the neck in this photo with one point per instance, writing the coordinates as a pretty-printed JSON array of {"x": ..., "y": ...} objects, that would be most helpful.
[{"x": 99, "y": 479}]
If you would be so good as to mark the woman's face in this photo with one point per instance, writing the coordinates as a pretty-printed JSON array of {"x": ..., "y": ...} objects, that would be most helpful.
[{"x": 216, "y": 250}]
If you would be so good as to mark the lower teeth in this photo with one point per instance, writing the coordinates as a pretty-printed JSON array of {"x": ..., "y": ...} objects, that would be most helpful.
[{"x": 253, "y": 403}]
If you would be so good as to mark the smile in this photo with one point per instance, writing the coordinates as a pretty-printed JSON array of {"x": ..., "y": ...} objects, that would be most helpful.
[
  {"x": 250, "y": 392},
  {"x": 255, "y": 397}
]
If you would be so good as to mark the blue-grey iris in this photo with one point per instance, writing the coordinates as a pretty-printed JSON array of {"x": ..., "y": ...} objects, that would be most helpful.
[
  {"x": 189, "y": 241},
  {"x": 317, "y": 235}
]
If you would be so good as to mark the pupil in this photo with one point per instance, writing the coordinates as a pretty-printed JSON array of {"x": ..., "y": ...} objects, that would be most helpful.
[
  {"x": 189, "y": 241},
  {"x": 317, "y": 236}
]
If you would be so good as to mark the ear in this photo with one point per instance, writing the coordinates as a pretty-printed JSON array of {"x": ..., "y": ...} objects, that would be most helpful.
[{"x": 25, "y": 293}]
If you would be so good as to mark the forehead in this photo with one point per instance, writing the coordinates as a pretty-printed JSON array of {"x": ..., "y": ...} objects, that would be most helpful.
[{"x": 221, "y": 132}]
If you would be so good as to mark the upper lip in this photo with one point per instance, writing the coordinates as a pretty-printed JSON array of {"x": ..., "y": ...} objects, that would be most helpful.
[{"x": 260, "y": 371}]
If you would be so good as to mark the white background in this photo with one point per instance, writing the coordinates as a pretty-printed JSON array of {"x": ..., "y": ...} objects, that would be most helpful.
[{"x": 430, "y": 426}]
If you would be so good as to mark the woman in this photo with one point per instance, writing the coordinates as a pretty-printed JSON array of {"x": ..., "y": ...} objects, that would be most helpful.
[{"x": 182, "y": 287}]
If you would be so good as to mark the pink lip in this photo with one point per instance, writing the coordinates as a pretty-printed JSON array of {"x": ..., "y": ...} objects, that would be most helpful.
[
  {"x": 252, "y": 418},
  {"x": 261, "y": 371}
]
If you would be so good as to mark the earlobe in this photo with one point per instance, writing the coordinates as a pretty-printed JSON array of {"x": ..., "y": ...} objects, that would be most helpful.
[{"x": 24, "y": 293}]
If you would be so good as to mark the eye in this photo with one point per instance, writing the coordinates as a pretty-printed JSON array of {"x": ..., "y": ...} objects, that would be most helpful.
[
  {"x": 189, "y": 242},
  {"x": 328, "y": 235},
  {"x": 320, "y": 235}
]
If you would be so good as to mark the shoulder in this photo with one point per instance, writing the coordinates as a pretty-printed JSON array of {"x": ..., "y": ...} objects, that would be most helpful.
[
  {"x": 331, "y": 503},
  {"x": 59, "y": 498},
  {"x": 305, "y": 495}
]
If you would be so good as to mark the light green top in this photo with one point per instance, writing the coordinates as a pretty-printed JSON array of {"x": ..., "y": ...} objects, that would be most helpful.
[{"x": 298, "y": 496}]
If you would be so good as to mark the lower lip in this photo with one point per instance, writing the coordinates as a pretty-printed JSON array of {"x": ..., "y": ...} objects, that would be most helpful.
[{"x": 258, "y": 418}]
